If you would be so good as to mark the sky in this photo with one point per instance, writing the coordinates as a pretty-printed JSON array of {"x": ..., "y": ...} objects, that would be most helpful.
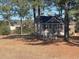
[{"x": 52, "y": 11}]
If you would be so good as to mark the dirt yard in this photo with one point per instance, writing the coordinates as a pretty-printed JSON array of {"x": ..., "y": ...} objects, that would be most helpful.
[{"x": 18, "y": 49}]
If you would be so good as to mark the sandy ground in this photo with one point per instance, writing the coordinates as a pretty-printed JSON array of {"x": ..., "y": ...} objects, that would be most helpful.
[{"x": 18, "y": 49}]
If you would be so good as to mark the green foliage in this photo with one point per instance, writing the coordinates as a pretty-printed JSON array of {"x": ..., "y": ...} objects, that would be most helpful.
[
  {"x": 28, "y": 30},
  {"x": 22, "y": 6},
  {"x": 18, "y": 31},
  {"x": 4, "y": 29},
  {"x": 6, "y": 8},
  {"x": 27, "y": 27},
  {"x": 37, "y": 3},
  {"x": 60, "y": 3},
  {"x": 24, "y": 31}
]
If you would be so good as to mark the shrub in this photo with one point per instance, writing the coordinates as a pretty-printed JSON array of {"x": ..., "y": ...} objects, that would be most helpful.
[
  {"x": 18, "y": 30},
  {"x": 4, "y": 29},
  {"x": 24, "y": 30}
]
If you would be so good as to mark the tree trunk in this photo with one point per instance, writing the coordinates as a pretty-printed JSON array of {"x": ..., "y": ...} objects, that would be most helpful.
[
  {"x": 34, "y": 16},
  {"x": 34, "y": 13},
  {"x": 66, "y": 26},
  {"x": 21, "y": 26},
  {"x": 38, "y": 17},
  {"x": 39, "y": 10}
]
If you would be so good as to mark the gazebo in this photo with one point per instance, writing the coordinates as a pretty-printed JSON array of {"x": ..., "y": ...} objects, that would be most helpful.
[{"x": 54, "y": 25}]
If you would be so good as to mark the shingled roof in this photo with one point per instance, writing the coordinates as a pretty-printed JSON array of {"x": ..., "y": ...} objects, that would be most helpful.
[{"x": 49, "y": 19}]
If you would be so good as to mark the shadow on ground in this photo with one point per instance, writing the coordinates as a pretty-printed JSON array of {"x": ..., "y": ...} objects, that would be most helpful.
[
  {"x": 33, "y": 40},
  {"x": 72, "y": 44},
  {"x": 16, "y": 36}
]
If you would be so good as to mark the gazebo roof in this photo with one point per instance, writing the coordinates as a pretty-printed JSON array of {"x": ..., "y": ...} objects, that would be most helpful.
[{"x": 49, "y": 19}]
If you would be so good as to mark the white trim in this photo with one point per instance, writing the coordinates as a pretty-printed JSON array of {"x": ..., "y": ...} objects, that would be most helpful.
[{"x": 56, "y": 20}]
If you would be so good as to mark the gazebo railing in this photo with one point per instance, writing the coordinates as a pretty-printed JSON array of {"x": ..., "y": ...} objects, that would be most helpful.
[{"x": 53, "y": 29}]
